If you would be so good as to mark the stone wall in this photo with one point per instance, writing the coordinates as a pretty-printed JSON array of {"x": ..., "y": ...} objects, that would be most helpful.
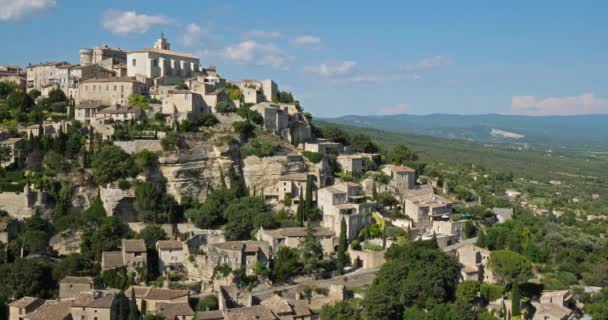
[
  {"x": 135, "y": 146},
  {"x": 366, "y": 259}
]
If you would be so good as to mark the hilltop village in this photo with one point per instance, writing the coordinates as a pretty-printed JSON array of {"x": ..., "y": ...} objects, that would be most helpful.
[{"x": 159, "y": 189}]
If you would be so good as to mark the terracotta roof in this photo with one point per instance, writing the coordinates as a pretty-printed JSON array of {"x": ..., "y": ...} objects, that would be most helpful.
[
  {"x": 118, "y": 110},
  {"x": 169, "y": 245},
  {"x": 95, "y": 299},
  {"x": 103, "y": 302},
  {"x": 333, "y": 189},
  {"x": 210, "y": 315},
  {"x": 91, "y": 105},
  {"x": 111, "y": 259},
  {"x": 26, "y": 302},
  {"x": 167, "y": 52},
  {"x": 229, "y": 245},
  {"x": 173, "y": 310},
  {"x": 300, "y": 232},
  {"x": 78, "y": 280},
  {"x": 133, "y": 245},
  {"x": 52, "y": 310},
  {"x": 258, "y": 312},
  {"x": 48, "y": 64},
  {"x": 300, "y": 308},
  {"x": 555, "y": 310}
]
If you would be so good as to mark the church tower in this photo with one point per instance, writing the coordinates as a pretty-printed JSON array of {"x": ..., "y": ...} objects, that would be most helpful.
[{"x": 161, "y": 43}]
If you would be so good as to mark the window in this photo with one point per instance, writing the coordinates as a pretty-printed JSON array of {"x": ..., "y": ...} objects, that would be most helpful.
[{"x": 134, "y": 62}]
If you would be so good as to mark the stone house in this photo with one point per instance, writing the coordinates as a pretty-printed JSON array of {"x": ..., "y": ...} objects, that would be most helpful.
[
  {"x": 344, "y": 201},
  {"x": 322, "y": 146},
  {"x": 48, "y": 128},
  {"x": 133, "y": 256},
  {"x": 97, "y": 305},
  {"x": 161, "y": 65},
  {"x": 351, "y": 163},
  {"x": 447, "y": 227},
  {"x": 178, "y": 310},
  {"x": 60, "y": 310},
  {"x": 40, "y": 76},
  {"x": 183, "y": 104},
  {"x": 366, "y": 259},
  {"x": 87, "y": 112},
  {"x": 19, "y": 309},
  {"x": 103, "y": 56},
  {"x": 69, "y": 77},
  {"x": 21, "y": 205},
  {"x": 117, "y": 114},
  {"x": 256, "y": 91},
  {"x": 109, "y": 91},
  {"x": 402, "y": 178},
  {"x": 554, "y": 305},
  {"x": 425, "y": 208},
  {"x": 152, "y": 300},
  {"x": 285, "y": 121},
  {"x": 13, "y": 74},
  {"x": 287, "y": 309},
  {"x": 170, "y": 255},
  {"x": 474, "y": 261},
  {"x": 292, "y": 237},
  {"x": 239, "y": 254},
  {"x": 289, "y": 184},
  {"x": 70, "y": 287}
]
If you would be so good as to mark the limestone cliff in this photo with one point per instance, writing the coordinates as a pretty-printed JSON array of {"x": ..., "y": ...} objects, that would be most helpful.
[{"x": 262, "y": 174}]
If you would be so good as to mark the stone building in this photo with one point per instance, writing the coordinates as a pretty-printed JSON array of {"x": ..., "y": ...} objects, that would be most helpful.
[
  {"x": 351, "y": 163},
  {"x": 19, "y": 309},
  {"x": 256, "y": 91},
  {"x": 13, "y": 74},
  {"x": 21, "y": 205},
  {"x": 97, "y": 304},
  {"x": 87, "y": 112},
  {"x": 161, "y": 65},
  {"x": 8, "y": 229},
  {"x": 133, "y": 255},
  {"x": 344, "y": 201},
  {"x": 289, "y": 184},
  {"x": 237, "y": 254},
  {"x": 402, "y": 178},
  {"x": 445, "y": 226},
  {"x": 151, "y": 300},
  {"x": 71, "y": 287},
  {"x": 554, "y": 305},
  {"x": 425, "y": 208},
  {"x": 474, "y": 261},
  {"x": 285, "y": 121},
  {"x": 322, "y": 146},
  {"x": 69, "y": 77},
  {"x": 41, "y": 76},
  {"x": 117, "y": 113},
  {"x": 170, "y": 255},
  {"x": 103, "y": 56},
  {"x": 13, "y": 144},
  {"x": 292, "y": 237},
  {"x": 183, "y": 104},
  {"x": 50, "y": 309},
  {"x": 109, "y": 91}
]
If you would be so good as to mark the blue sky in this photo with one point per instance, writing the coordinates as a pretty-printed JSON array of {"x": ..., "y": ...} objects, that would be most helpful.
[{"x": 352, "y": 57}]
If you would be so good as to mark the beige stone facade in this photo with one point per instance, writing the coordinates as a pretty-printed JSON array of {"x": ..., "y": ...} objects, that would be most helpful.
[
  {"x": 43, "y": 75},
  {"x": 402, "y": 178},
  {"x": 474, "y": 261},
  {"x": 237, "y": 254},
  {"x": 293, "y": 237},
  {"x": 344, "y": 201},
  {"x": 71, "y": 287},
  {"x": 109, "y": 91},
  {"x": 351, "y": 163}
]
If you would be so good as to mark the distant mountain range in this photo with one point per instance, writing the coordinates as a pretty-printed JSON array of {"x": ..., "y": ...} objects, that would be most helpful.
[{"x": 584, "y": 131}]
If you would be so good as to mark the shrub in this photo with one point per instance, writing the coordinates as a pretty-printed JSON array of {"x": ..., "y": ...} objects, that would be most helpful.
[
  {"x": 261, "y": 147},
  {"x": 169, "y": 142},
  {"x": 224, "y": 107},
  {"x": 314, "y": 157},
  {"x": 207, "y": 120},
  {"x": 124, "y": 184}
]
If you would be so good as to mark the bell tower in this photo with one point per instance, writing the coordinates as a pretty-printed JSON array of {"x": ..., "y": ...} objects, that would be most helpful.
[{"x": 161, "y": 43}]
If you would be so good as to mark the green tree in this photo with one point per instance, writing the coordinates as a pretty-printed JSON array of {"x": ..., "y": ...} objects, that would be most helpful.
[
  {"x": 169, "y": 142},
  {"x": 342, "y": 258},
  {"x": 386, "y": 199},
  {"x": 362, "y": 143},
  {"x": 285, "y": 264},
  {"x": 6, "y": 153},
  {"x": 246, "y": 215},
  {"x": 152, "y": 234},
  {"x": 146, "y": 161},
  {"x": 311, "y": 253},
  {"x": 19, "y": 100},
  {"x": 6, "y": 88},
  {"x": 467, "y": 291},
  {"x": 509, "y": 266},
  {"x": 346, "y": 310},
  {"x": 224, "y": 107},
  {"x": 57, "y": 95},
  {"x": 336, "y": 134},
  {"x": 112, "y": 163},
  {"x": 133, "y": 311},
  {"x": 137, "y": 100},
  {"x": 401, "y": 155},
  {"x": 35, "y": 93},
  {"x": 207, "y": 303},
  {"x": 207, "y": 120}
]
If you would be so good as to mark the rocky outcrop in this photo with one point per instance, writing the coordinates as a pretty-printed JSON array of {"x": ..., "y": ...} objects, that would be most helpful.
[
  {"x": 118, "y": 202},
  {"x": 262, "y": 174},
  {"x": 192, "y": 172}
]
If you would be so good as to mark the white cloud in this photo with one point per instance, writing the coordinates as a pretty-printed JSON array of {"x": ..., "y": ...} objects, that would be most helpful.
[
  {"x": 585, "y": 103},
  {"x": 252, "y": 52},
  {"x": 333, "y": 69},
  {"x": 428, "y": 63},
  {"x": 126, "y": 22},
  {"x": 262, "y": 34},
  {"x": 400, "y": 108},
  {"x": 193, "y": 34},
  {"x": 307, "y": 41},
  {"x": 19, "y": 9}
]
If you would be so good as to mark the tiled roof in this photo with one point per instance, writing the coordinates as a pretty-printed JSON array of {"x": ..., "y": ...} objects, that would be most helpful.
[
  {"x": 52, "y": 310},
  {"x": 277, "y": 304},
  {"x": 258, "y": 312},
  {"x": 174, "y": 310},
  {"x": 165, "y": 294},
  {"x": 78, "y": 280},
  {"x": 95, "y": 299},
  {"x": 300, "y": 308},
  {"x": 111, "y": 259},
  {"x": 26, "y": 302},
  {"x": 169, "y": 245},
  {"x": 133, "y": 245},
  {"x": 90, "y": 105},
  {"x": 210, "y": 315},
  {"x": 400, "y": 169},
  {"x": 118, "y": 110}
]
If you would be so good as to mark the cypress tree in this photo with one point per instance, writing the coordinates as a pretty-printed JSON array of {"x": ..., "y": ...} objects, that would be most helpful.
[
  {"x": 342, "y": 247},
  {"x": 374, "y": 191},
  {"x": 133, "y": 311},
  {"x": 308, "y": 197},
  {"x": 515, "y": 300},
  {"x": 301, "y": 208}
]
